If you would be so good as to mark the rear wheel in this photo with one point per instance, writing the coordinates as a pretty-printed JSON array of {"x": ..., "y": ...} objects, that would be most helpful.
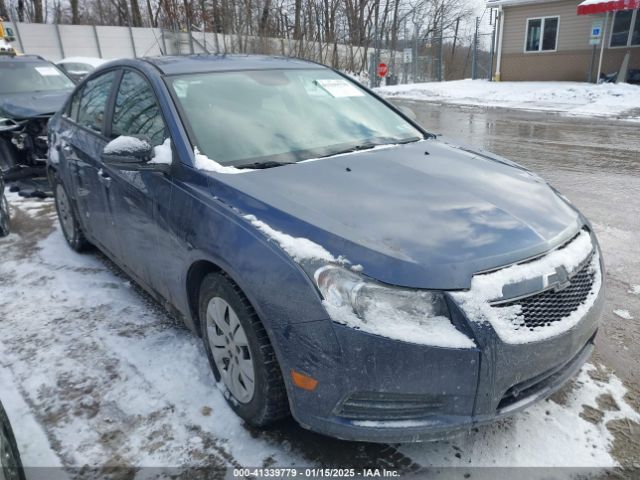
[
  {"x": 68, "y": 220},
  {"x": 240, "y": 354},
  {"x": 10, "y": 464}
]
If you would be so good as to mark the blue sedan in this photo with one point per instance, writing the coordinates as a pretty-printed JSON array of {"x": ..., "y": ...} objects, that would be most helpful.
[{"x": 341, "y": 264}]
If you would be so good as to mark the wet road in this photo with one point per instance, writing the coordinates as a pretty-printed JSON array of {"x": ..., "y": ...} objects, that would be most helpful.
[{"x": 596, "y": 164}]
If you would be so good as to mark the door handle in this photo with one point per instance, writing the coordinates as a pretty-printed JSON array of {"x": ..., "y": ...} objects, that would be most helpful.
[{"x": 104, "y": 177}]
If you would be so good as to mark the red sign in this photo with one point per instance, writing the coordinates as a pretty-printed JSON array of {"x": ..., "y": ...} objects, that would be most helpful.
[{"x": 383, "y": 69}]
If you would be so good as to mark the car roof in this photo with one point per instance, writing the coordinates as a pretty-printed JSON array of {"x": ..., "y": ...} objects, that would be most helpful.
[
  {"x": 172, "y": 65},
  {"x": 22, "y": 58},
  {"x": 93, "y": 61}
]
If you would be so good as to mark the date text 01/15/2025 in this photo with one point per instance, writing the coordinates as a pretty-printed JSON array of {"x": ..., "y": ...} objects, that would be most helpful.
[{"x": 315, "y": 472}]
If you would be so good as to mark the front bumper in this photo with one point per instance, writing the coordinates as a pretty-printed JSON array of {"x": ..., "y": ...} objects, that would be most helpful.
[{"x": 454, "y": 390}]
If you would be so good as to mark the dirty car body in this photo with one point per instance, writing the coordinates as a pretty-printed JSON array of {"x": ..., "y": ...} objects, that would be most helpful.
[
  {"x": 31, "y": 91},
  {"x": 418, "y": 287}
]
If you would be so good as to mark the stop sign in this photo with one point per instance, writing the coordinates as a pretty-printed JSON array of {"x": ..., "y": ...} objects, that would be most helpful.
[{"x": 383, "y": 69}]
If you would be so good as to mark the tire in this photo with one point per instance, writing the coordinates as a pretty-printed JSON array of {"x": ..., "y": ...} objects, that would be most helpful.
[
  {"x": 10, "y": 463},
  {"x": 8, "y": 155},
  {"x": 68, "y": 219},
  {"x": 230, "y": 327},
  {"x": 5, "y": 223}
]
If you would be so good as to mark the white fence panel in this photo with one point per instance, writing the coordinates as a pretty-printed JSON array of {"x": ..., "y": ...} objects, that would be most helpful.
[
  {"x": 39, "y": 39},
  {"x": 78, "y": 41},
  {"x": 109, "y": 42},
  {"x": 148, "y": 41},
  {"x": 115, "y": 42}
]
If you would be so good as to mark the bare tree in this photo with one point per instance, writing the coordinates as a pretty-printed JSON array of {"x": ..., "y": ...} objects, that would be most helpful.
[{"x": 4, "y": 13}]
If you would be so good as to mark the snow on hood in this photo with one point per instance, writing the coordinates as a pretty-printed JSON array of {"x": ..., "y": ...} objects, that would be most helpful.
[
  {"x": 411, "y": 219},
  {"x": 202, "y": 162},
  {"x": 385, "y": 320},
  {"x": 298, "y": 248}
]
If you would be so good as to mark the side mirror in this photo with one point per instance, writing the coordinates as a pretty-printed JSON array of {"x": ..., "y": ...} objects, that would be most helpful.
[
  {"x": 131, "y": 154},
  {"x": 408, "y": 112}
]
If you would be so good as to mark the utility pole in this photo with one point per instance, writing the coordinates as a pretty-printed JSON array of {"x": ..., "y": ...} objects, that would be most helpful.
[
  {"x": 455, "y": 39},
  {"x": 474, "y": 60},
  {"x": 493, "y": 49}
]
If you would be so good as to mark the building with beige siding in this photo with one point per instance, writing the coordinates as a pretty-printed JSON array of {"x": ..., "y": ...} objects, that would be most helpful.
[{"x": 548, "y": 40}]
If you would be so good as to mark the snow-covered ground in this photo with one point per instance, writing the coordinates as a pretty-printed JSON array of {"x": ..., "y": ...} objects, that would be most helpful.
[
  {"x": 569, "y": 98},
  {"x": 94, "y": 373}
]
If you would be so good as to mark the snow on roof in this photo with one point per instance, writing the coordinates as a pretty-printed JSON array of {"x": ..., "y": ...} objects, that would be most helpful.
[
  {"x": 601, "y": 6},
  {"x": 93, "y": 61},
  {"x": 496, "y": 3}
]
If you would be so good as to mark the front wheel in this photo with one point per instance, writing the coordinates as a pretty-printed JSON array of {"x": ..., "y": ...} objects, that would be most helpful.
[
  {"x": 10, "y": 463},
  {"x": 68, "y": 220},
  {"x": 240, "y": 354}
]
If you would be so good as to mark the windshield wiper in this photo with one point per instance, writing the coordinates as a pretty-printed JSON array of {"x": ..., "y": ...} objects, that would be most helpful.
[
  {"x": 262, "y": 165},
  {"x": 370, "y": 145},
  {"x": 355, "y": 148}
]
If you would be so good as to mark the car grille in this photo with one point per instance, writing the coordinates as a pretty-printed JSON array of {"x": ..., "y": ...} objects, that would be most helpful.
[
  {"x": 550, "y": 306},
  {"x": 388, "y": 406}
]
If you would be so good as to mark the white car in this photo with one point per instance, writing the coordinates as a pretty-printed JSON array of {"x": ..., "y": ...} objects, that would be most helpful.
[{"x": 79, "y": 67}]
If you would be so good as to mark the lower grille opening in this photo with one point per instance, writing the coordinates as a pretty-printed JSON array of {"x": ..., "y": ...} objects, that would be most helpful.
[
  {"x": 388, "y": 406},
  {"x": 530, "y": 387}
]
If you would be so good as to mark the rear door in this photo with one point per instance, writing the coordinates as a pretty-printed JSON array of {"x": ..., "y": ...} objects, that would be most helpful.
[{"x": 92, "y": 183}]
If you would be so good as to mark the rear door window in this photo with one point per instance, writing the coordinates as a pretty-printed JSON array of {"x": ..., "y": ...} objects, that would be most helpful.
[
  {"x": 93, "y": 102},
  {"x": 74, "y": 105}
]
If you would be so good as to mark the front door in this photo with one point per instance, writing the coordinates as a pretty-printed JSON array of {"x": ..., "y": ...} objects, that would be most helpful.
[{"x": 138, "y": 194}]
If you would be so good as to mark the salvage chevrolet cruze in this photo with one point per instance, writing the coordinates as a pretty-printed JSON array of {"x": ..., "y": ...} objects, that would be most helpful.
[{"x": 340, "y": 263}]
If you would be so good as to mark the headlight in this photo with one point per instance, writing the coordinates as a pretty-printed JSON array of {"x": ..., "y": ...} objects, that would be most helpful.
[{"x": 415, "y": 316}]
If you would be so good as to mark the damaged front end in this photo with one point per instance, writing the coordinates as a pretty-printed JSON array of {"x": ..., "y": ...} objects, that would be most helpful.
[
  {"x": 31, "y": 91},
  {"x": 23, "y": 146}
]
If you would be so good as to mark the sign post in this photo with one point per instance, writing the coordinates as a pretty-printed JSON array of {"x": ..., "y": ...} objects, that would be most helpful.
[
  {"x": 604, "y": 34},
  {"x": 407, "y": 55},
  {"x": 596, "y": 33},
  {"x": 594, "y": 40}
]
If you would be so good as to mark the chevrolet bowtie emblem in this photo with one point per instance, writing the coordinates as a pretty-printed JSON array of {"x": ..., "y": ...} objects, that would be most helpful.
[{"x": 558, "y": 279}]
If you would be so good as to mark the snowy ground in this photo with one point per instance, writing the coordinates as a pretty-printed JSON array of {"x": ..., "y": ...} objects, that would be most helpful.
[
  {"x": 568, "y": 98},
  {"x": 93, "y": 373}
]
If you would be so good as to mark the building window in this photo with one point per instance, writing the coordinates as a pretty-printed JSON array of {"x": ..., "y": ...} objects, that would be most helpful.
[
  {"x": 626, "y": 29},
  {"x": 542, "y": 34}
]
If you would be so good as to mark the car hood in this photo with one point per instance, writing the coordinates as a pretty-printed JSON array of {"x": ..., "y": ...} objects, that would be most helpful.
[
  {"x": 33, "y": 104},
  {"x": 421, "y": 215}
]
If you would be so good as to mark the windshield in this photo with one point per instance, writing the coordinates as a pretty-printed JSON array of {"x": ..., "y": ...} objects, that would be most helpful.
[
  {"x": 266, "y": 116},
  {"x": 24, "y": 77}
]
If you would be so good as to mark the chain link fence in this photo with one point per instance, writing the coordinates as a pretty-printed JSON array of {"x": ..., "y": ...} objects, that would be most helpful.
[{"x": 443, "y": 56}]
